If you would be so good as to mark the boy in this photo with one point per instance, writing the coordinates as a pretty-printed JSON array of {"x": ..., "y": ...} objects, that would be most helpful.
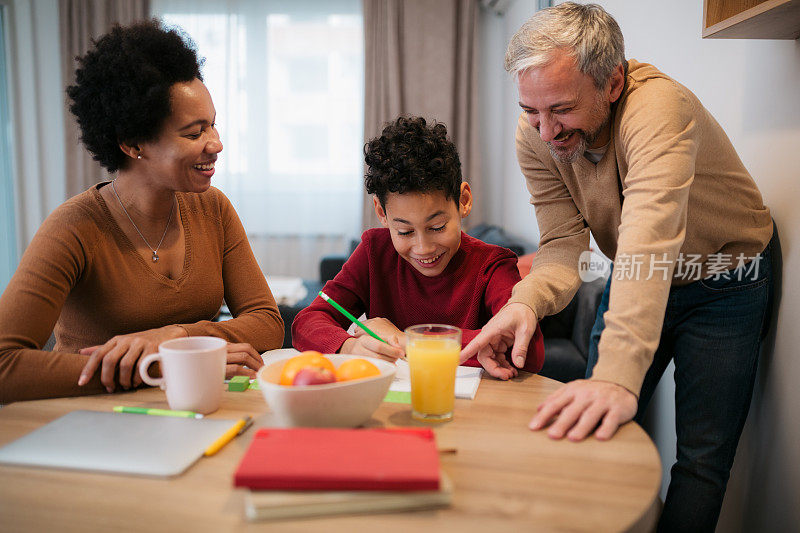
[{"x": 419, "y": 268}]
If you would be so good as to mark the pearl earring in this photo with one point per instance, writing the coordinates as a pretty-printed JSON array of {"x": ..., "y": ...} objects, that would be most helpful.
[{"x": 139, "y": 156}]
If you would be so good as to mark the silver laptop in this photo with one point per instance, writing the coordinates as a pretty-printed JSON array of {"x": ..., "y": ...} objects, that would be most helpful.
[{"x": 119, "y": 443}]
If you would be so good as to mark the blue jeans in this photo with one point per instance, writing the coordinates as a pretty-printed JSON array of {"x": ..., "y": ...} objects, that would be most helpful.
[{"x": 713, "y": 330}]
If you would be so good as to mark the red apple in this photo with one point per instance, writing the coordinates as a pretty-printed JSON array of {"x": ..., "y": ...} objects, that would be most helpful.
[{"x": 314, "y": 375}]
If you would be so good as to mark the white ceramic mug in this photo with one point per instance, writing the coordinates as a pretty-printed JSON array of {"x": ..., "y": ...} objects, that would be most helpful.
[{"x": 193, "y": 371}]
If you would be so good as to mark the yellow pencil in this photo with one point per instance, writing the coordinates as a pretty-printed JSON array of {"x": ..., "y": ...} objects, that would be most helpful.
[{"x": 228, "y": 436}]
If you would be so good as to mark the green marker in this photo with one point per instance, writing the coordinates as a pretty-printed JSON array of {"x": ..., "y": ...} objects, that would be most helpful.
[
  {"x": 156, "y": 412},
  {"x": 353, "y": 319}
]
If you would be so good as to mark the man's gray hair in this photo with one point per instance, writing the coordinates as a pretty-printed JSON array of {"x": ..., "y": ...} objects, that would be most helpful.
[{"x": 587, "y": 32}]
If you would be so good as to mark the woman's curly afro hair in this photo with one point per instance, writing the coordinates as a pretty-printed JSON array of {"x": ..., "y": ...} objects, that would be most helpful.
[
  {"x": 121, "y": 91},
  {"x": 410, "y": 156}
]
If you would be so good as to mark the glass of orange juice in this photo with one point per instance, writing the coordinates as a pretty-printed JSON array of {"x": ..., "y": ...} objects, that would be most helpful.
[{"x": 432, "y": 351}]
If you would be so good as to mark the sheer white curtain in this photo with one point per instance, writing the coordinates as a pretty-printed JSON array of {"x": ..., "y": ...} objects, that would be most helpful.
[
  {"x": 287, "y": 82},
  {"x": 8, "y": 237}
]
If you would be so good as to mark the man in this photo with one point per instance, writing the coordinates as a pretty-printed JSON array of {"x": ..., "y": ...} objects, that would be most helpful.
[{"x": 617, "y": 148}]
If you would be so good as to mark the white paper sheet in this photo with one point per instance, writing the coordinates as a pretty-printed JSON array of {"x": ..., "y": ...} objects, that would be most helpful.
[{"x": 467, "y": 380}]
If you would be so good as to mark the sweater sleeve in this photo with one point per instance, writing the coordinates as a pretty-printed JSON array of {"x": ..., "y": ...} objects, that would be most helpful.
[
  {"x": 659, "y": 137},
  {"x": 29, "y": 308},
  {"x": 501, "y": 274},
  {"x": 256, "y": 319},
  {"x": 553, "y": 279},
  {"x": 321, "y": 327}
]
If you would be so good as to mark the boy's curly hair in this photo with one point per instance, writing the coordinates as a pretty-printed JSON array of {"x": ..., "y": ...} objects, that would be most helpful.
[
  {"x": 121, "y": 91},
  {"x": 410, "y": 156}
]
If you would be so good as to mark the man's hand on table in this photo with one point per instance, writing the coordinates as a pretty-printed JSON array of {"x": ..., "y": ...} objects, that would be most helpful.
[
  {"x": 512, "y": 327},
  {"x": 581, "y": 405}
]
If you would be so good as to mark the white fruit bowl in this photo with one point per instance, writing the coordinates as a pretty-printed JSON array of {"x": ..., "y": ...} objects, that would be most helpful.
[{"x": 343, "y": 404}]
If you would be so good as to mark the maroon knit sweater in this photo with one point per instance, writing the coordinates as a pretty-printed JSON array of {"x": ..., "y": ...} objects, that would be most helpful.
[{"x": 375, "y": 280}]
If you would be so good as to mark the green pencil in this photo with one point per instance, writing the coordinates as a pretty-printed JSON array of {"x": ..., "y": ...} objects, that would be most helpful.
[
  {"x": 353, "y": 319},
  {"x": 156, "y": 412}
]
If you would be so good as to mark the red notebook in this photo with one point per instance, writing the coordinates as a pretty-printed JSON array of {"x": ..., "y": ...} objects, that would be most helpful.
[{"x": 340, "y": 459}]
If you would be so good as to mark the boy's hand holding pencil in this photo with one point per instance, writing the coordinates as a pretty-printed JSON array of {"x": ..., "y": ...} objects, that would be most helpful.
[
  {"x": 366, "y": 341},
  {"x": 366, "y": 345},
  {"x": 385, "y": 329}
]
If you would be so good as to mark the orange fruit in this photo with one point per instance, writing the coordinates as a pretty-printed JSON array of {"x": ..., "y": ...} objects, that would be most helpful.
[
  {"x": 305, "y": 360},
  {"x": 356, "y": 369}
]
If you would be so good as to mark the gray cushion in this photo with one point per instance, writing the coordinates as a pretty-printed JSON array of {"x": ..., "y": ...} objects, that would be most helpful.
[{"x": 567, "y": 334}]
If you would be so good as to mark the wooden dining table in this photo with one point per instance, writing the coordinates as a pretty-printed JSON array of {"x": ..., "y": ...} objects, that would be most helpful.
[{"x": 505, "y": 477}]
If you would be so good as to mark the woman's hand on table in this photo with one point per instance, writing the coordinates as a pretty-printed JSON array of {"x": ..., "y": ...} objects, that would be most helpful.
[
  {"x": 243, "y": 360},
  {"x": 364, "y": 344},
  {"x": 124, "y": 352},
  {"x": 581, "y": 405}
]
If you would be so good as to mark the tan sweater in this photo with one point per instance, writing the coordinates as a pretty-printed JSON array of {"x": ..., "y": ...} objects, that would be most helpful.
[
  {"x": 669, "y": 182},
  {"x": 81, "y": 275}
]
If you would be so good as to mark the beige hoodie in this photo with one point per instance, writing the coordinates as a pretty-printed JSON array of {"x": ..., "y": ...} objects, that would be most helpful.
[{"x": 669, "y": 183}]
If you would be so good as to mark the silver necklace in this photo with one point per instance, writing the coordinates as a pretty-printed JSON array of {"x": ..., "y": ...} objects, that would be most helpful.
[{"x": 154, "y": 250}]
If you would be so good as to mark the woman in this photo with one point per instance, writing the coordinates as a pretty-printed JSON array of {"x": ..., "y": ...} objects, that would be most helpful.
[{"x": 146, "y": 257}]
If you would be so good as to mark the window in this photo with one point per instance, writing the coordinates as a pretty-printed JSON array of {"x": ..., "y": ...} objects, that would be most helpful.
[
  {"x": 8, "y": 240},
  {"x": 287, "y": 82}
]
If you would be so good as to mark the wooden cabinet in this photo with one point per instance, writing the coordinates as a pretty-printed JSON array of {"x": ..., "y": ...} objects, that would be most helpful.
[{"x": 751, "y": 19}]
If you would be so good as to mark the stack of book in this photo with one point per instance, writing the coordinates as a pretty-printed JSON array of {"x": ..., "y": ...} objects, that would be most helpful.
[{"x": 302, "y": 472}]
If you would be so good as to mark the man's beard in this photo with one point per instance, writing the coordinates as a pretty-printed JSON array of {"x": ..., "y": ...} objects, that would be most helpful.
[
  {"x": 576, "y": 152},
  {"x": 601, "y": 111}
]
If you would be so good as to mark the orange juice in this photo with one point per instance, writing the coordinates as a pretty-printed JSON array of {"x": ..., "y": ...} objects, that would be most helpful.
[{"x": 432, "y": 364}]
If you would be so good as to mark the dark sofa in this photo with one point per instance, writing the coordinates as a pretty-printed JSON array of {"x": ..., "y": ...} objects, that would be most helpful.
[{"x": 566, "y": 334}]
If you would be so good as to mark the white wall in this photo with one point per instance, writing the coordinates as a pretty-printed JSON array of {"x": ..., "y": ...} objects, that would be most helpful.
[{"x": 753, "y": 89}]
